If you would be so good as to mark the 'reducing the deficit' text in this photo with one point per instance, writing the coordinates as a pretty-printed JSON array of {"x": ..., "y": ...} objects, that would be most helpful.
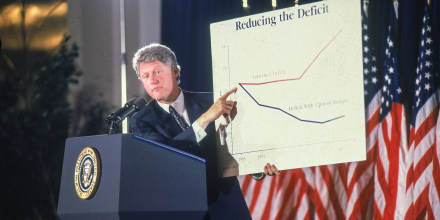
[
  {"x": 255, "y": 23},
  {"x": 286, "y": 15}
]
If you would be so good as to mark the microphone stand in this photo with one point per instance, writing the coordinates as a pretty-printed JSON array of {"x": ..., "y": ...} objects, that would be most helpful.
[{"x": 114, "y": 128}]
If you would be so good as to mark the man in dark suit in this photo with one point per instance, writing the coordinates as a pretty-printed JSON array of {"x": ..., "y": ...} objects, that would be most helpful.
[{"x": 184, "y": 120}]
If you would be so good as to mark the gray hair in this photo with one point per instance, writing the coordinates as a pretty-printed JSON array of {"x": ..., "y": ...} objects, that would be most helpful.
[{"x": 155, "y": 52}]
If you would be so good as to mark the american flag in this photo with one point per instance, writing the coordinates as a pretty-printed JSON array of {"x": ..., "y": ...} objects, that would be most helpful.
[
  {"x": 400, "y": 178},
  {"x": 360, "y": 181},
  {"x": 330, "y": 196},
  {"x": 285, "y": 196},
  {"x": 436, "y": 166},
  {"x": 392, "y": 156},
  {"x": 425, "y": 178}
]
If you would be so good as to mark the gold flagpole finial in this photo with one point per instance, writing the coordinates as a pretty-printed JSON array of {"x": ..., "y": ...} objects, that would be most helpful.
[{"x": 296, "y": 2}]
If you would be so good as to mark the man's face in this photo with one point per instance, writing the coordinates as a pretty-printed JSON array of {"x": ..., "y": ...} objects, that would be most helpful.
[{"x": 160, "y": 81}]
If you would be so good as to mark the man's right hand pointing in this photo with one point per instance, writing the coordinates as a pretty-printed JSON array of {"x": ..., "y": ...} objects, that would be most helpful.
[{"x": 220, "y": 107}]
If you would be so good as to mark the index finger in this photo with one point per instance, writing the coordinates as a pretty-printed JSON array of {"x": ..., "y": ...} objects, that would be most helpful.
[{"x": 224, "y": 96}]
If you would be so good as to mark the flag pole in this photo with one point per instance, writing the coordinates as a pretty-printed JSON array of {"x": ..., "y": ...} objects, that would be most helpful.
[{"x": 123, "y": 62}]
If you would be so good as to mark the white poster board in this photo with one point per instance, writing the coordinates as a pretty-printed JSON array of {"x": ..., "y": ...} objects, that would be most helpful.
[{"x": 300, "y": 97}]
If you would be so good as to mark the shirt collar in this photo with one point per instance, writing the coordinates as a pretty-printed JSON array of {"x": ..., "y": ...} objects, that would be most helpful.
[{"x": 178, "y": 104}]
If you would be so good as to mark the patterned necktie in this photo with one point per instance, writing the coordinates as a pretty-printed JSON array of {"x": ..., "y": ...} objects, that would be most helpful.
[{"x": 179, "y": 119}]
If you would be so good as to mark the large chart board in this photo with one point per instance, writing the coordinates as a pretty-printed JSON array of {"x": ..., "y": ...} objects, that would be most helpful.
[{"x": 300, "y": 87}]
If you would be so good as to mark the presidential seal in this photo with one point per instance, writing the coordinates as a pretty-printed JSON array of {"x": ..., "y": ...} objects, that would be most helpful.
[{"x": 87, "y": 173}]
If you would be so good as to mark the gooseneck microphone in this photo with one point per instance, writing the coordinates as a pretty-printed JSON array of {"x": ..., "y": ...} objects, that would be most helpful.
[{"x": 133, "y": 105}]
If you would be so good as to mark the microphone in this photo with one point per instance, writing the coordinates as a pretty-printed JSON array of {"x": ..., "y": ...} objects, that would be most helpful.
[
  {"x": 121, "y": 110},
  {"x": 133, "y": 105}
]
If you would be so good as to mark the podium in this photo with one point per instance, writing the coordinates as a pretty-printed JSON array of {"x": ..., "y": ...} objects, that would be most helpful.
[{"x": 139, "y": 179}]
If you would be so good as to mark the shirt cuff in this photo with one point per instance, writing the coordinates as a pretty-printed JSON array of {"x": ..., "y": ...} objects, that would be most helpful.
[{"x": 198, "y": 131}]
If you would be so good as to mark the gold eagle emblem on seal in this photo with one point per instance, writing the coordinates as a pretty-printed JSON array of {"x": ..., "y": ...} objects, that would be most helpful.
[{"x": 87, "y": 173}]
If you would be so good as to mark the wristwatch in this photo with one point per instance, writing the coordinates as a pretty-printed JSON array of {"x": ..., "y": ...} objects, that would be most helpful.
[{"x": 258, "y": 176}]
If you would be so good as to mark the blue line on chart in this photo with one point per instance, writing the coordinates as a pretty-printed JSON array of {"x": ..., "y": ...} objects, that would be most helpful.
[{"x": 303, "y": 120}]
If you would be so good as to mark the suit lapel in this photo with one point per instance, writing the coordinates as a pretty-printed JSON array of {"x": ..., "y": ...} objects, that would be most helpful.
[{"x": 192, "y": 107}]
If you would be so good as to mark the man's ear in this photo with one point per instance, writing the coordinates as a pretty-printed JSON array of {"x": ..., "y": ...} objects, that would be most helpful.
[{"x": 176, "y": 73}]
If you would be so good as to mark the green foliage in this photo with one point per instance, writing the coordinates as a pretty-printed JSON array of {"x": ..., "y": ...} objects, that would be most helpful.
[{"x": 34, "y": 125}]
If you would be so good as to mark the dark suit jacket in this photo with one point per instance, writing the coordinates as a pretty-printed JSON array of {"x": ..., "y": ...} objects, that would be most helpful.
[{"x": 225, "y": 199}]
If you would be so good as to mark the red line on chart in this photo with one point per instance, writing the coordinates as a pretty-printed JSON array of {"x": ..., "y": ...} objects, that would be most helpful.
[
  {"x": 276, "y": 108},
  {"x": 281, "y": 80}
]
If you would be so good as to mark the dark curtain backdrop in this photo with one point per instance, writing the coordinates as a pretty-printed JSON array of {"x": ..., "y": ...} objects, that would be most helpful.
[{"x": 185, "y": 28}]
